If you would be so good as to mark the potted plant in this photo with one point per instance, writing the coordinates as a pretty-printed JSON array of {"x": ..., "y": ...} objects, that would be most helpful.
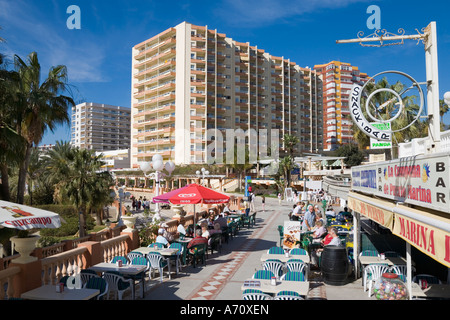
[
  {"x": 129, "y": 220},
  {"x": 24, "y": 244}
]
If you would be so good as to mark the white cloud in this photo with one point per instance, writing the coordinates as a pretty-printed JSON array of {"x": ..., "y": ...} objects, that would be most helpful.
[{"x": 27, "y": 29}]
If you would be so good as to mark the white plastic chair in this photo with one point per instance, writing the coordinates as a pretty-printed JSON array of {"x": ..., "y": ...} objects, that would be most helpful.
[
  {"x": 372, "y": 272},
  {"x": 118, "y": 285},
  {"x": 288, "y": 295},
  {"x": 276, "y": 266},
  {"x": 297, "y": 265},
  {"x": 134, "y": 254},
  {"x": 252, "y": 294},
  {"x": 158, "y": 262}
]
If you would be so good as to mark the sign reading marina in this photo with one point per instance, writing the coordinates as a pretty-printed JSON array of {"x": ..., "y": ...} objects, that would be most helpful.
[{"x": 421, "y": 181}]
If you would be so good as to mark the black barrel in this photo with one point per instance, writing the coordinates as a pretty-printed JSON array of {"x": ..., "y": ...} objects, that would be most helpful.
[{"x": 335, "y": 265}]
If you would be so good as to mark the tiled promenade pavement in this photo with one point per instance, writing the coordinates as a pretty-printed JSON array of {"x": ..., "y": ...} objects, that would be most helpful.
[{"x": 225, "y": 272}]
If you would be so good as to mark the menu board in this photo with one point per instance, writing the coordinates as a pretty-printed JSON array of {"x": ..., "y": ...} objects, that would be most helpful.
[{"x": 291, "y": 234}]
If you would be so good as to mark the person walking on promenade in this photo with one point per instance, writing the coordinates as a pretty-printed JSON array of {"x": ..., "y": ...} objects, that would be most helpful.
[
  {"x": 279, "y": 198},
  {"x": 263, "y": 203}
]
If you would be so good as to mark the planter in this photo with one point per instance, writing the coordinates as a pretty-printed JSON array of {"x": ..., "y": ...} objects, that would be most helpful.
[
  {"x": 178, "y": 210},
  {"x": 24, "y": 246},
  {"x": 129, "y": 223}
]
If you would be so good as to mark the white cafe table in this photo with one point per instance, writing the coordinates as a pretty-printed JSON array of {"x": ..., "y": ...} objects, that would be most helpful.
[
  {"x": 48, "y": 292},
  {"x": 432, "y": 291},
  {"x": 283, "y": 258},
  {"x": 301, "y": 287},
  {"x": 366, "y": 260},
  {"x": 127, "y": 270},
  {"x": 167, "y": 252}
]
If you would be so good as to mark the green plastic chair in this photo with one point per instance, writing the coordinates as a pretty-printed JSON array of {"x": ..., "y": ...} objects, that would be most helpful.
[
  {"x": 98, "y": 283},
  {"x": 281, "y": 233},
  {"x": 293, "y": 276},
  {"x": 263, "y": 275},
  {"x": 275, "y": 250},
  {"x": 198, "y": 251},
  {"x": 288, "y": 295},
  {"x": 253, "y": 294}
]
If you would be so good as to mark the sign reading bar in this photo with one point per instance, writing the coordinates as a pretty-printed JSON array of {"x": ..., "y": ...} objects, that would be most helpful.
[
  {"x": 361, "y": 121},
  {"x": 422, "y": 181},
  {"x": 431, "y": 240}
]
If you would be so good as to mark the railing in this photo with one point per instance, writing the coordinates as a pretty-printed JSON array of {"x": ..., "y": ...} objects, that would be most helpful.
[
  {"x": 53, "y": 249},
  {"x": 114, "y": 247},
  {"x": 6, "y": 280},
  {"x": 62, "y": 264},
  {"x": 419, "y": 145}
]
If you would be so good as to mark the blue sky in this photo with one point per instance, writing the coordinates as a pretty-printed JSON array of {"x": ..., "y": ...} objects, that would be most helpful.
[{"x": 98, "y": 56}]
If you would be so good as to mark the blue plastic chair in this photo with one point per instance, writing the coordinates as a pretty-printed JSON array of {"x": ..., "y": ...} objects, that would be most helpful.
[
  {"x": 119, "y": 258},
  {"x": 293, "y": 276},
  {"x": 98, "y": 283},
  {"x": 298, "y": 251},
  {"x": 275, "y": 250},
  {"x": 263, "y": 275},
  {"x": 288, "y": 295},
  {"x": 253, "y": 294},
  {"x": 140, "y": 261}
]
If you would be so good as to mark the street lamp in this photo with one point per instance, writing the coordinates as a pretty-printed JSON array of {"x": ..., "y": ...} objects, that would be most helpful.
[
  {"x": 447, "y": 98},
  {"x": 157, "y": 165},
  {"x": 203, "y": 173}
]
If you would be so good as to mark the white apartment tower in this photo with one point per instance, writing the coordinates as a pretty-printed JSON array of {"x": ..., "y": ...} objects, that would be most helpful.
[
  {"x": 189, "y": 79},
  {"x": 100, "y": 127}
]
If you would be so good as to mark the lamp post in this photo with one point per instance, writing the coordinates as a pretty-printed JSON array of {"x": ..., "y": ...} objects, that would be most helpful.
[
  {"x": 202, "y": 173},
  {"x": 447, "y": 98},
  {"x": 157, "y": 165}
]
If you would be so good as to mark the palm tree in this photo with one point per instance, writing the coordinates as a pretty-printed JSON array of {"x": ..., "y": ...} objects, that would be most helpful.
[
  {"x": 84, "y": 181},
  {"x": 443, "y": 109},
  {"x": 38, "y": 106},
  {"x": 11, "y": 143},
  {"x": 290, "y": 141}
]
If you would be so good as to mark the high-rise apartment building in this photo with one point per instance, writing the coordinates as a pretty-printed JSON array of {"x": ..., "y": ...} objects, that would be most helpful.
[
  {"x": 100, "y": 127},
  {"x": 338, "y": 79},
  {"x": 190, "y": 79}
]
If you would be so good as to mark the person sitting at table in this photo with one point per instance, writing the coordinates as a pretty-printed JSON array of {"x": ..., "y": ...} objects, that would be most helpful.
[
  {"x": 160, "y": 238},
  {"x": 319, "y": 217},
  {"x": 181, "y": 230},
  {"x": 319, "y": 230},
  {"x": 198, "y": 239},
  {"x": 170, "y": 236},
  {"x": 205, "y": 230},
  {"x": 222, "y": 221},
  {"x": 216, "y": 229},
  {"x": 226, "y": 208},
  {"x": 328, "y": 237},
  {"x": 335, "y": 241}
]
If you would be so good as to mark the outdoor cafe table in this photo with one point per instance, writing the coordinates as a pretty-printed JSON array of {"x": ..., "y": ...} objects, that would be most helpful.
[
  {"x": 366, "y": 260},
  {"x": 48, "y": 292},
  {"x": 432, "y": 291},
  {"x": 301, "y": 287},
  {"x": 166, "y": 252},
  {"x": 126, "y": 270}
]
